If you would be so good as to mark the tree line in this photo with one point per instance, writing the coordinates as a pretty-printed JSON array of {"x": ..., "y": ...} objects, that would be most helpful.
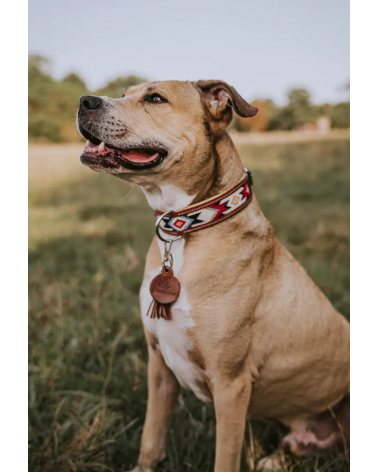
[{"x": 53, "y": 104}]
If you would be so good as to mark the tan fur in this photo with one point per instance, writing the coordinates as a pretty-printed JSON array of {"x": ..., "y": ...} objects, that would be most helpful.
[{"x": 265, "y": 338}]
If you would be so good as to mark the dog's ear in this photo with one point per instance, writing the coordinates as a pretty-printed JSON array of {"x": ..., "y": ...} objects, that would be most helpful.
[{"x": 221, "y": 97}]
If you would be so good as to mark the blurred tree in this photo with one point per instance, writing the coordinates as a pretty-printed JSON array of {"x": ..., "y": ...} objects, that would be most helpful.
[
  {"x": 299, "y": 98},
  {"x": 296, "y": 113},
  {"x": 42, "y": 127},
  {"x": 53, "y": 103},
  {"x": 340, "y": 116},
  {"x": 259, "y": 122},
  {"x": 38, "y": 65},
  {"x": 300, "y": 108},
  {"x": 74, "y": 79},
  {"x": 240, "y": 124},
  {"x": 41, "y": 85},
  {"x": 325, "y": 110}
]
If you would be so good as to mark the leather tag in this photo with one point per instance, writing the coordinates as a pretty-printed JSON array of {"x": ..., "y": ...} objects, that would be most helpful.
[{"x": 164, "y": 289}]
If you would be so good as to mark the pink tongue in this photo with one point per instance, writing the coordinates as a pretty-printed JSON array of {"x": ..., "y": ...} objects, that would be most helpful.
[{"x": 139, "y": 156}]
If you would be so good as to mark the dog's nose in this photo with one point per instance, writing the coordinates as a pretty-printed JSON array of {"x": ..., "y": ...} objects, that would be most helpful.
[{"x": 90, "y": 102}]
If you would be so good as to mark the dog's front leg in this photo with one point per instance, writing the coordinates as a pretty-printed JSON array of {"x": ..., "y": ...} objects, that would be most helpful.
[
  {"x": 231, "y": 400},
  {"x": 163, "y": 390}
]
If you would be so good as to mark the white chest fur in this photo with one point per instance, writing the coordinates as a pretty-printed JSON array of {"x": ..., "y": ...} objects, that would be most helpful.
[
  {"x": 166, "y": 197},
  {"x": 174, "y": 343}
]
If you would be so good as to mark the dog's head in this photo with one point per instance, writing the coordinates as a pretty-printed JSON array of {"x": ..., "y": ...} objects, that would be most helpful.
[{"x": 161, "y": 129}]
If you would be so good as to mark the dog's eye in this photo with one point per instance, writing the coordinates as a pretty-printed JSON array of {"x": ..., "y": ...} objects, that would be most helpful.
[{"x": 155, "y": 98}]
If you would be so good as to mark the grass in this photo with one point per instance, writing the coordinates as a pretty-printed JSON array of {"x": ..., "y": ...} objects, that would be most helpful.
[{"x": 88, "y": 241}]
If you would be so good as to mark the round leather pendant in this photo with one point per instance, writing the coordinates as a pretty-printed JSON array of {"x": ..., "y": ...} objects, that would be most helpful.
[{"x": 165, "y": 288}]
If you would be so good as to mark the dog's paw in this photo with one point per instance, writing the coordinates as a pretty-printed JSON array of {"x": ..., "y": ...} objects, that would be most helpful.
[{"x": 270, "y": 463}]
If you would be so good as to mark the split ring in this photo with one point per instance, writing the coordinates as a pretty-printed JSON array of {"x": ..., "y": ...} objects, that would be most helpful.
[{"x": 157, "y": 229}]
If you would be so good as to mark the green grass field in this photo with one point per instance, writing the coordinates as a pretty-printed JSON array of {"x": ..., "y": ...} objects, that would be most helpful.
[{"x": 88, "y": 241}]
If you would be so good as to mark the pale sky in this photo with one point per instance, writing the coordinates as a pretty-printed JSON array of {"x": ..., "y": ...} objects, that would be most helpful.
[{"x": 261, "y": 47}]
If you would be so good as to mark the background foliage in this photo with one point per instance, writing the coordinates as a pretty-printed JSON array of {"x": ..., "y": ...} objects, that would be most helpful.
[{"x": 53, "y": 105}]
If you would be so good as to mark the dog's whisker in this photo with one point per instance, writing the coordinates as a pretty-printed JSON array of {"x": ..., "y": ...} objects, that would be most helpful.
[{"x": 131, "y": 189}]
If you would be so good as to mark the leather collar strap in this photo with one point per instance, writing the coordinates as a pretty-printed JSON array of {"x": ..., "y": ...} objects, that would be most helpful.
[{"x": 210, "y": 211}]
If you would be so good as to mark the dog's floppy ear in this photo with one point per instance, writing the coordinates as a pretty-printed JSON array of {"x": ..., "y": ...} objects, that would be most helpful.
[{"x": 221, "y": 96}]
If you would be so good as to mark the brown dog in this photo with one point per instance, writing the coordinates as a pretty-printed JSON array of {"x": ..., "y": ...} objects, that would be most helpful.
[{"x": 251, "y": 333}]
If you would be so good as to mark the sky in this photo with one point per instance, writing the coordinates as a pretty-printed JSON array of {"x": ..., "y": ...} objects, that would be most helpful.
[{"x": 262, "y": 48}]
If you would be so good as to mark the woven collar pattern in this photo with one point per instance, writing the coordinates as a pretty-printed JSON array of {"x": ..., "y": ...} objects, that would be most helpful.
[{"x": 209, "y": 212}]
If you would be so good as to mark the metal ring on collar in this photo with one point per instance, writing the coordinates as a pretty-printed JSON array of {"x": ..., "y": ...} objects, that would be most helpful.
[{"x": 157, "y": 229}]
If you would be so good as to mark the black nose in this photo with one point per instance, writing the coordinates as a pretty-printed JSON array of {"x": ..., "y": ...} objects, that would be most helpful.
[{"x": 90, "y": 102}]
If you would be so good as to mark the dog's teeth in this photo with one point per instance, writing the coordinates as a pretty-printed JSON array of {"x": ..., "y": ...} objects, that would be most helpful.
[
  {"x": 101, "y": 147},
  {"x": 87, "y": 142}
]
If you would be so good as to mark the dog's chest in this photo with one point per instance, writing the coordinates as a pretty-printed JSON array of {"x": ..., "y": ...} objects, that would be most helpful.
[{"x": 174, "y": 343}]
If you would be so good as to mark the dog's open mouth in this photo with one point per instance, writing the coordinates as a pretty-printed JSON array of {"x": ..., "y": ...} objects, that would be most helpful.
[
  {"x": 101, "y": 155},
  {"x": 106, "y": 156}
]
